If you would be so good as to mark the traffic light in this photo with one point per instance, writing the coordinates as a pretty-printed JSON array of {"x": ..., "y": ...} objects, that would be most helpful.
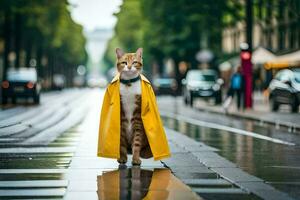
[{"x": 246, "y": 63}]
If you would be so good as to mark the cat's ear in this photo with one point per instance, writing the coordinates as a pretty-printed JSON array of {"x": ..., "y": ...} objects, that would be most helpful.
[
  {"x": 119, "y": 53},
  {"x": 139, "y": 52}
]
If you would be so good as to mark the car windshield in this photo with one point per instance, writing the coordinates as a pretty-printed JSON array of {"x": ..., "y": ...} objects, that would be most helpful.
[
  {"x": 297, "y": 77},
  {"x": 198, "y": 76},
  {"x": 165, "y": 81},
  {"x": 21, "y": 76}
]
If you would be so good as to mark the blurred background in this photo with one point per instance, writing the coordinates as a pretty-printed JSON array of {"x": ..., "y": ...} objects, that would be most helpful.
[
  {"x": 226, "y": 73},
  {"x": 72, "y": 43}
]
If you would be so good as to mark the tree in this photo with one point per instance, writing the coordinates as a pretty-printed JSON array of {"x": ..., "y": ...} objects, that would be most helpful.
[
  {"x": 42, "y": 29},
  {"x": 172, "y": 29}
]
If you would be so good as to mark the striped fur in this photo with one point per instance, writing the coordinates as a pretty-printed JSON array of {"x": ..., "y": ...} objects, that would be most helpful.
[{"x": 133, "y": 136}]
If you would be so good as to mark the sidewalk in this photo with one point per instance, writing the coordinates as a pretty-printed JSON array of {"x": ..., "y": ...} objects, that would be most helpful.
[
  {"x": 260, "y": 112},
  {"x": 90, "y": 177},
  {"x": 193, "y": 168}
]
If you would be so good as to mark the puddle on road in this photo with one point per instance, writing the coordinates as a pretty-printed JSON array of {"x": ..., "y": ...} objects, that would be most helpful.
[
  {"x": 275, "y": 163},
  {"x": 137, "y": 183}
]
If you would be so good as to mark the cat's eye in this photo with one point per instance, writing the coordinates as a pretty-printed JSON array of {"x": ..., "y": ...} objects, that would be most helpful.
[
  {"x": 124, "y": 63},
  {"x": 135, "y": 62}
]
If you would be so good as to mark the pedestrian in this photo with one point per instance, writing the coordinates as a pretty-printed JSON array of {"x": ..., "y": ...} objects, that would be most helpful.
[{"x": 236, "y": 89}]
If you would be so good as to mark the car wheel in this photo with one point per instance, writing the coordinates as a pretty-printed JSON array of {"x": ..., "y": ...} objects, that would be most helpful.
[
  {"x": 218, "y": 99},
  {"x": 273, "y": 104},
  {"x": 36, "y": 99},
  {"x": 191, "y": 100},
  {"x": 185, "y": 100},
  {"x": 295, "y": 106},
  {"x": 14, "y": 100},
  {"x": 4, "y": 100}
]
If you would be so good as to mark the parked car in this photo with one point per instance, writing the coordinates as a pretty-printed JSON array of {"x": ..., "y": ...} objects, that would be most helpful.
[
  {"x": 94, "y": 81},
  {"x": 78, "y": 81},
  {"x": 21, "y": 83},
  {"x": 59, "y": 81},
  {"x": 285, "y": 89},
  {"x": 165, "y": 86},
  {"x": 202, "y": 84}
]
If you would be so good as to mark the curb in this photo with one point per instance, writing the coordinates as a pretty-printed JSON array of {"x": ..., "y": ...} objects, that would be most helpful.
[{"x": 292, "y": 127}]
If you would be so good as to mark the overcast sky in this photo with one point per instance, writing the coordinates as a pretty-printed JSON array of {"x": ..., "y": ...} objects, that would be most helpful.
[{"x": 95, "y": 13}]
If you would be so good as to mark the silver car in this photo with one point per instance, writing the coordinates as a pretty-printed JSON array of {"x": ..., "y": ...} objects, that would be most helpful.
[{"x": 285, "y": 89}]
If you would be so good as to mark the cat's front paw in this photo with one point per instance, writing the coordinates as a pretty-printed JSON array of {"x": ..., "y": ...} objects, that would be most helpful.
[{"x": 136, "y": 161}]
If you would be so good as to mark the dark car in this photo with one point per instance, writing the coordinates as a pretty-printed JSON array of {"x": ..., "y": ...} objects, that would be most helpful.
[
  {"x": 165, "y": 86},
  {"x": 202, "y": 84},
  {"x": 285, "y": 89},
  {"x": 21, "y": 83}
]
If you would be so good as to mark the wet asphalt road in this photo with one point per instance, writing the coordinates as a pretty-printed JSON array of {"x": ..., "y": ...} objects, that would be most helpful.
[
  {"x": 275, "y": 157},
  {"x": 37, "y": 144}
]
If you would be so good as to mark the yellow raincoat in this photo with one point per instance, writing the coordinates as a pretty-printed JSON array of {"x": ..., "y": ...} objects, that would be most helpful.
[{"x": 110, "y": 122}]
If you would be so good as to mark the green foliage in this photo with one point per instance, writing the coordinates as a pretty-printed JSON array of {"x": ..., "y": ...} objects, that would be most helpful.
[
  {"x": 173, "y": 29},
  {"x": 48, "y": 25}
]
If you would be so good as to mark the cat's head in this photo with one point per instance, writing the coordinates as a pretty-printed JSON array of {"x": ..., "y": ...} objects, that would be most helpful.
[{"x": 129, "y": 65}]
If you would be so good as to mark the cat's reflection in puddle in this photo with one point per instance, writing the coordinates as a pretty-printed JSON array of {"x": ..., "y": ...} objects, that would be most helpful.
[
  {"x": 125, "y": 183},
  {"x": 135, "y": 183}
]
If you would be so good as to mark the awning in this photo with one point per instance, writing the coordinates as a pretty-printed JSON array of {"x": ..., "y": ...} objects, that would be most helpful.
[
  {"x": 261, "y": 56},
  {"x": 231, "y": 63},
  {"x": 284, "y": 61}
]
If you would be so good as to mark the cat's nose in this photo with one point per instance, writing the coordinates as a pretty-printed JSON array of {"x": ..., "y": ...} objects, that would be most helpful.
[{"x": 129, "y": 66}]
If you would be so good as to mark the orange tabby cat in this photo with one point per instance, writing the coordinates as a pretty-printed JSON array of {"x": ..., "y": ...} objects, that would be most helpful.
[{"x": 133, "y": 137}]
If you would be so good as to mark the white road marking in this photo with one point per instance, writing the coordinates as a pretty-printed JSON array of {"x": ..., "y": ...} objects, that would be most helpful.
[{"x": 223, "y": 127}]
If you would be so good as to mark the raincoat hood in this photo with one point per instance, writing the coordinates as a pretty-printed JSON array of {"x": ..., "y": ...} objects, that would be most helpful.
[{"x": 110, "y": 122}]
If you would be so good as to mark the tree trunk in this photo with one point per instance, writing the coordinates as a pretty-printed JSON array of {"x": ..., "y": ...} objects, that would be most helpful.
[
  {"x": 18, "y": 38},
  {"x": 28, "y": 50},
  {"x": 39, "y": 57},
  {"x": 7, "y": 41}
]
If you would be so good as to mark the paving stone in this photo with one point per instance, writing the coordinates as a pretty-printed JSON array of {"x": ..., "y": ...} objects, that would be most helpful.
[
  {"x": 195, "y": 175},
  {"x": 264, "y": 190},
  {"x": 33, "y": 192},
  {"x": 219, "y": 190},
  {"x": 93, "y": 163},
  {"x": 10, "y": 130},
  {"x": 36, "y": 183},
  {"x": 206, "y": 182},
  {"x": 195, "y": 148},
  {"x": 32, "y": 171},
  {"x": 38, "y": 150},
  {"x": 236, "y": 175},
  {"x": 72, "y": 195},
  {"x": 182, "y": 160},
  {"x": 216, "y": 162},
  {"x": 203, "y": 155},
  {"x": 75, "y": 174},
  {"x": 82, "y": 185},
  {"x": 192, "y": 169},
  {"x": 176, "y": 149}
]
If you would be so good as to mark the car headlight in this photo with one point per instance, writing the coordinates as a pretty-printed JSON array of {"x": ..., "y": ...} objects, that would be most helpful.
[{"x": 216, "y": 87}]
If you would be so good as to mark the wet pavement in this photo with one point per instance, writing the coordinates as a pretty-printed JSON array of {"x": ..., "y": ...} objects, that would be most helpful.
[
  {"x": 276, "y": 162},
  {"x": 66, "y": 166},
  {"x": 92, "y": 177}
]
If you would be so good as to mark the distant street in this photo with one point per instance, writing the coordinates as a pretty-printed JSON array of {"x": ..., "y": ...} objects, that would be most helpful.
[{"x": 28, "y": 124}]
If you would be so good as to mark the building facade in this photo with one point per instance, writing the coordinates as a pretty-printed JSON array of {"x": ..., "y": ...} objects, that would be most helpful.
[{"x": 276, "y": 26}]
